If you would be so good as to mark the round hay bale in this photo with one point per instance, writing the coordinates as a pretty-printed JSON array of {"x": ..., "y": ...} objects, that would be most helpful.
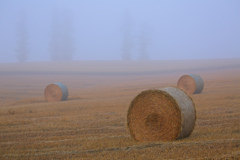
[
  {"x": 56, "y": 92},
  {"x": 192, "y": 83},
  {"x": 161, "y": 115}
]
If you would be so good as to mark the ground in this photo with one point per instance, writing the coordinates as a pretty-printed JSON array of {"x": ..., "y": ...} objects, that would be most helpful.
[{"x": 92, "y": 123}]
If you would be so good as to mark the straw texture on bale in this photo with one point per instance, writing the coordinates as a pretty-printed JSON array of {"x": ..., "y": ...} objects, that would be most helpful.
[
  {"x": 161, "y": 115},
  {"x": 192, "y": 83},
  {"x": 56, "y": 92}
]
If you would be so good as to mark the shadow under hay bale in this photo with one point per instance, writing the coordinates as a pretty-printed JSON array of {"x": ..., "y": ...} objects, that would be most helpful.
[
  {"x": 56, "y": 92},
  {"x": 192, "y": 83},
  {"x": 161, "y": 115}
]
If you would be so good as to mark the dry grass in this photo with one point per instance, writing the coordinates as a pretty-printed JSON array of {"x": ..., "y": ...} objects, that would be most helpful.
[
  {"x": 161, "y": 115},
  {"x": 91, "y": 124},
  {"x": 56, "y": 92},
  {"x": 192, "y": 83}
]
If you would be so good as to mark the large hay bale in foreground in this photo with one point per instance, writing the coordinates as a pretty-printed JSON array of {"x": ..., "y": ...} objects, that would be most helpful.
[
  {"x": 161, "y": 115},
  {"x": 192, "y": 83},
  {"x": 56, "y": 92}
]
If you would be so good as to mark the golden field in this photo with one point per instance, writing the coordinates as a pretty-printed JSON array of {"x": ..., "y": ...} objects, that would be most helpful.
[{"x": 91, "y": 124}]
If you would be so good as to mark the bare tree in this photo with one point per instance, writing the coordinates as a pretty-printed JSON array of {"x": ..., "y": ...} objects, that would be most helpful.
[
  {"x": 127, "y": 44},
  {"x": 22, "y": 38},
  {"x": 62, "y": 40}
]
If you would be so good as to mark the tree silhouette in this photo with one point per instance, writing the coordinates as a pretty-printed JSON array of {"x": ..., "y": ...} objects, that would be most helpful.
[
  {"x": 22, "y": 38},
  {"x": 62, "y": 40}
]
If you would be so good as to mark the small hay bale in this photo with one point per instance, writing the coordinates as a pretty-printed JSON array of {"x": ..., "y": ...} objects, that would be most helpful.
[
  {"x": 56, "y": 92},
  {"x": 192, "y": 83},
  {"x": 161, "y": 115}
]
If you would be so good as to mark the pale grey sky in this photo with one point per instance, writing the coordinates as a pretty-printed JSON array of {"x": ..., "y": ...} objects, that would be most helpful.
[{"x": 186, "y": 29}]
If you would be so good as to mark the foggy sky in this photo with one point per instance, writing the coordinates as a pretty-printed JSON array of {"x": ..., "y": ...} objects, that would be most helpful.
[{"x": 185, "y": 29}]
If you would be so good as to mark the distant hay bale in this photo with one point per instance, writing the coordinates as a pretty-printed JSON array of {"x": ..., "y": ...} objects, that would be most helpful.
[
  {"x": 56, "y": 92},
  {"x": 161, "y": 115},
  {"x": 192, "y": 83}
]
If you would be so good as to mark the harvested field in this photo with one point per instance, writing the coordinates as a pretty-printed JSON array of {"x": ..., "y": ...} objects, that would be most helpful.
[{"x": 92, "y": 122}]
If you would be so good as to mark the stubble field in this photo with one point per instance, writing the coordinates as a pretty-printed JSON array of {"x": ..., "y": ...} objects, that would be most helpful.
[{"x": 92, "y": 123}]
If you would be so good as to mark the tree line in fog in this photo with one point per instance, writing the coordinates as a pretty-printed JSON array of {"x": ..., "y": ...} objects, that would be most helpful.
[{"x": 61, "y": 42}]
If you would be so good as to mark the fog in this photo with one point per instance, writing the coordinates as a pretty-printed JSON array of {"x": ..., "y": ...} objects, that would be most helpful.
[{"x": 59, "y": 30}]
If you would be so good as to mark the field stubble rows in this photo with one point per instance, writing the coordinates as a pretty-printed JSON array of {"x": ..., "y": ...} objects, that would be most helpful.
[{"x": 91, "y": 124}]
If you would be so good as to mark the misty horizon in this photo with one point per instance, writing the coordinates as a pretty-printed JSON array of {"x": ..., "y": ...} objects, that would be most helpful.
[{"x": 118, "y": 30}]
